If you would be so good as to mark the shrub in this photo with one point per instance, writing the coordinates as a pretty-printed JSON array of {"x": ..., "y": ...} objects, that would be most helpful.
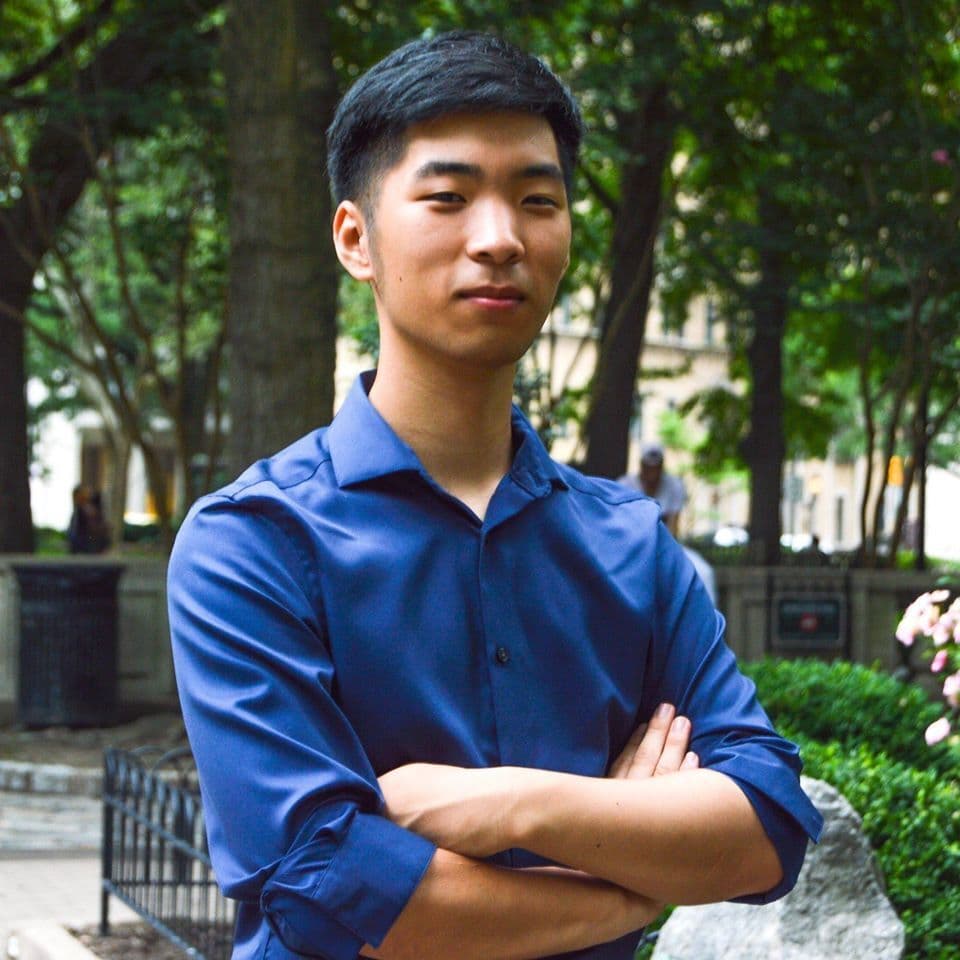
[
  {"x": 862, "y": 731},
  {"x": 912, "y": 818},
  {"x": 854, "y": 706}
]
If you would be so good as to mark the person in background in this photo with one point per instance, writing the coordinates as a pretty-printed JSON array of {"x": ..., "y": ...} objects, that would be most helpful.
[
  {"x": 670, "y": 493},
  {"x": 653, "y": 480},
  {"x": 88, "y": 531}
]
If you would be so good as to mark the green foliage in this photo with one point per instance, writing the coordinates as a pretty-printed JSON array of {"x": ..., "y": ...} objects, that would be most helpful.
[
  {"x": 862, "y": 731},
  {"x": 357, "y": 316},
  {"x": 724, "y": 414},
  {"x": 851, "y": 705},
  {"x": 912, "y": 817},
  {"x": 50, "y": 542}
]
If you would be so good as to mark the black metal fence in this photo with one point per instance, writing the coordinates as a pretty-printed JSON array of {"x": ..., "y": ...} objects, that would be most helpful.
[{"x": 154, "y": 853}]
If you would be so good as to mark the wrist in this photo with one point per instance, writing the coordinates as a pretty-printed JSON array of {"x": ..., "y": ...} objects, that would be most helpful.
[{"x": 528, "y": 798}]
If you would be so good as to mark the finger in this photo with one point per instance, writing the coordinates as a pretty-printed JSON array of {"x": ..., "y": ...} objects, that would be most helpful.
[
  {"x": 620, "y": 768},
  {"x": 648, "y": 753},
  {"x": 674, "y": 747},
  {"x": 690, "y": 762}
]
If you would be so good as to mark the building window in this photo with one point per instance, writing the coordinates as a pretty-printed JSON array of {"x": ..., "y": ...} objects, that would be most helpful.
[{"x": 711, "y": 321}]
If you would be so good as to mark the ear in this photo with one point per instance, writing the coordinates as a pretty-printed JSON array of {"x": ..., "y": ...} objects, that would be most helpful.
[{"x": 351, "y": 239}]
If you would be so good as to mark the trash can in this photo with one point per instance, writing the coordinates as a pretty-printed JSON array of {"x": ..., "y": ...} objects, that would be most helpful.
[{"x": 68, "y": 644}]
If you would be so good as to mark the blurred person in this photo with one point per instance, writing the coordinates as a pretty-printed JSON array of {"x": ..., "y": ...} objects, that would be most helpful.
[
  {"x": 88, "y": 531},
  {"x": 653, "y": 480}
]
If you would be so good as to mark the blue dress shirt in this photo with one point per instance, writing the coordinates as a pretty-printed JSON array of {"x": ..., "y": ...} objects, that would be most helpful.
[{"x": 335, "y": 614}]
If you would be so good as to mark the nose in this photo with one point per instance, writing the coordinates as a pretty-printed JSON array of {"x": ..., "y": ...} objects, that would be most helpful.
[{"x": 494, "y": 234}]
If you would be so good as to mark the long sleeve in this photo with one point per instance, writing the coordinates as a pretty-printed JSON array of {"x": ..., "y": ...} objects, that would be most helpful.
[
  {"x": 695, "y": 669},
  {"x": 292, "y": 806}
]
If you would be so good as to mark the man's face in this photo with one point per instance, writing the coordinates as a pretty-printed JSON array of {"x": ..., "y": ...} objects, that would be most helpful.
[
  {"x": 650, "y": 474},
  {"x": 469, "y": 238}
]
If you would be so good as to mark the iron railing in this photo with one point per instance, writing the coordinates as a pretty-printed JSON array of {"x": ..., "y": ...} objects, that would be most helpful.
[{"x": 154, "y": 853}]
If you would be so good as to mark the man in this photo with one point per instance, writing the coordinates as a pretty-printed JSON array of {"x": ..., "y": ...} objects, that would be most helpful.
[
  {"x": 447, "y": 697},
  {"x": 655, "y": 482},
  {"x": 670, "y": 495}
]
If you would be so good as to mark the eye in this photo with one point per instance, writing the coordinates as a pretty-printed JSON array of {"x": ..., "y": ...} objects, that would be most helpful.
[
  {"x": 542, "y": 200},
  {"x": 445, "y": 196}
]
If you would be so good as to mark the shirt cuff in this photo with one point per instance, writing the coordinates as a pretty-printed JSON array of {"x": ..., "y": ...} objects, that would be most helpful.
[
  {"x": 789, "y": 822},
  {"x": 345, "y": 886}
]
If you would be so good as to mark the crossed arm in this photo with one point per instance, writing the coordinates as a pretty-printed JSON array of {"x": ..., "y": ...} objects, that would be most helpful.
[{"x": 658, "y": 829}]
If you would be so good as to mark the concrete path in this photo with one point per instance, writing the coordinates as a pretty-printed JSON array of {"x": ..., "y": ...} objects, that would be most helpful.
[{"x": 49, "y": 864}]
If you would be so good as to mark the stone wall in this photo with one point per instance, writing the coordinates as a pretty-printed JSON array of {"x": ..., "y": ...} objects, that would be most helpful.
[
  {"x": 817, "y": 611},
  {"x": 830, "y": 613}
]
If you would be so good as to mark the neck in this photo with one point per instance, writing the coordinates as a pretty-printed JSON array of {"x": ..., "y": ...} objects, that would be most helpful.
[{"x": 456, "y": 420}]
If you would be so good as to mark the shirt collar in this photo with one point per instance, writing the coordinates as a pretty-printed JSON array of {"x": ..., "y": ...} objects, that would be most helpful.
[{"x": 363, "y": 446}]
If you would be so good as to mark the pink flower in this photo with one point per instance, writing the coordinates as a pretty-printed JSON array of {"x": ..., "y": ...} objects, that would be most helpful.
[
  {"x": 941, "y": 632},
  {"x": 939, "y": 661},
  {"x": 951, "y": 688},
  {"x": 941, "y": 156},
  {"x": 937, "y": 731},
  {"x": 921, "y": 616},
  {"x": 907, "y": 629}
]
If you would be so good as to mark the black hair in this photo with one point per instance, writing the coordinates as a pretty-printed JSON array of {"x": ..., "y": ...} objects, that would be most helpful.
[{"x": 455, "y": 72}]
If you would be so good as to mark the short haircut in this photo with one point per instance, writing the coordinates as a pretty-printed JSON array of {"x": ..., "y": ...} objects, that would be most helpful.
[{"x": 455, "y": 72}]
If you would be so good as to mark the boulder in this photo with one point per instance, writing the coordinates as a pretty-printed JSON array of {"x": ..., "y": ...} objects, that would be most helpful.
[{"x": 837, "y": 911}]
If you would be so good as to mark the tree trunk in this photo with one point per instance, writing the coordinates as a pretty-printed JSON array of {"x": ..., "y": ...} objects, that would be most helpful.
[
  {"x": 16, "y": 525},
  {"x": 119, "y": 446},
  {"x": 282, "y": 91},
  {"x": 637, "y": 221},
  {"x": 764, "y": 448}
]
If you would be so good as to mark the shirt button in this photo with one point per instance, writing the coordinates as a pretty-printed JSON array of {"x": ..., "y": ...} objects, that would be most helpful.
[{"x": 503, "y": 655}]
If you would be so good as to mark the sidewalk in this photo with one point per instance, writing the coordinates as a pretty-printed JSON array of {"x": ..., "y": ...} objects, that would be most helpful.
[
  {"x": 50, "y": 864},
  {"x": 50, "y": 827}
]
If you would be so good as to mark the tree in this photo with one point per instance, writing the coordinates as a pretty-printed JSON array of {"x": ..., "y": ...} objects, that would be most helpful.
[
  {"x": 282, "y": 89},
  {"x": 132, "y": 304},
  {"x": 900, "y": 253},
  {"x": 68, "y": 89},
  {"x": 786, "y": 103},
  {"x": 622, "y": 60}
]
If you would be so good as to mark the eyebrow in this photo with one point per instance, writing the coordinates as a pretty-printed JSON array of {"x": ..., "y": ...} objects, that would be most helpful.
[{"x": 439, "y": 168}]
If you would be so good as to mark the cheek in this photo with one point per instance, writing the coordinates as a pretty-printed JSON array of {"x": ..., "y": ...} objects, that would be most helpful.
[{"x": 557, "y": 256}]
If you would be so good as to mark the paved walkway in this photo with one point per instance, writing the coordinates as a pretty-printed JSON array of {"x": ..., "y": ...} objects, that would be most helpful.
[{"x": 50, "y": 863}]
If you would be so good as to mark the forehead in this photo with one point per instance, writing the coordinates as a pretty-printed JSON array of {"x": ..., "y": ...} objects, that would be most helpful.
[{"x": 489, "y": 140}]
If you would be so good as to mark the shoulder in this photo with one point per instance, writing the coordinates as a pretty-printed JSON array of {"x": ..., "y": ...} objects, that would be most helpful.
[
  {"x": 301, "y": 462},
  {"x": 609, "y": 498},
  {"x": 266, "y": 505}
]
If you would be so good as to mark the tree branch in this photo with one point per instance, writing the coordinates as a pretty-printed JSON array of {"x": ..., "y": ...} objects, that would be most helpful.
[
  {"x": 600, "y": 191},
  {"x": 63, "y": 47}
]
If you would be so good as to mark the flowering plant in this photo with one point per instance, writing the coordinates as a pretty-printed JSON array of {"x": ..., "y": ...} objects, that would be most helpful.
[{"x": 925, "y": 617}]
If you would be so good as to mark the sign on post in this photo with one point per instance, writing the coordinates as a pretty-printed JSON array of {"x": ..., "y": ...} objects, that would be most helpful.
[{"x": 813, "y": 622}]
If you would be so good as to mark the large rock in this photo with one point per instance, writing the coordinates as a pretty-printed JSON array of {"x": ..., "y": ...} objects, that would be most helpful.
[{"x": 837, "y": 911}]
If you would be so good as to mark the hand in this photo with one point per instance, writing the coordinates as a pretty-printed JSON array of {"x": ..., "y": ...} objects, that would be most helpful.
[
  {"x": 656, "y": 748},
  {"x": 458, "y": 808}
]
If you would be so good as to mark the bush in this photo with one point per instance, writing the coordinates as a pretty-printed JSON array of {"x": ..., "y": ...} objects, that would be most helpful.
[
  {"x": 50, "y": 542},
  {"x": 862, "y": 731},
  {"x": 912, "y": 817},
  {"x": 853, "y": 706}
]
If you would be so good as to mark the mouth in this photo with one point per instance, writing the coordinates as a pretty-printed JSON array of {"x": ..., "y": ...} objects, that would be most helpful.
[{"x": 493, "y": 295}]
